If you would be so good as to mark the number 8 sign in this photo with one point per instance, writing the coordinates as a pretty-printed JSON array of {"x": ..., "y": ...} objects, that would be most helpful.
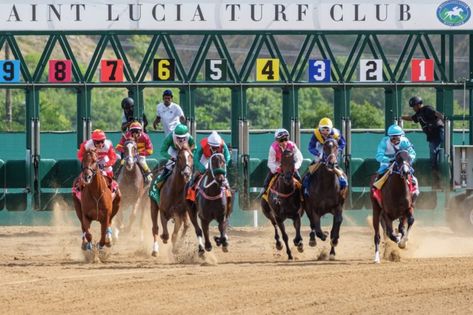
[{"x": 60, "y": 71}]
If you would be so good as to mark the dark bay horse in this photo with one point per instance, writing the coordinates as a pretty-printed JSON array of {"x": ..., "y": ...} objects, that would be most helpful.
[
  {"x": 96, "y": 203},
  {"x": 284, "y": 201},
  {"x": 132, "y": 185},
  {"x": 213, "y": 202},
  {"x": 172, "y": 202},
  {"x": 396, "y": 203},
  {"x": 325, "y": 197}
]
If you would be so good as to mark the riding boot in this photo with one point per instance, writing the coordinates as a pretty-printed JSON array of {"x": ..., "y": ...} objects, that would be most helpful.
[
  {"x": 306, "y": 185},
  {"x": 298, "y": 176},
  {"x": 267, "y": 180}
]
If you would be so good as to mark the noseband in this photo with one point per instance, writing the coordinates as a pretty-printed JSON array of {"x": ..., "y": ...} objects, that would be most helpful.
[{"x": 327, "y": 157}]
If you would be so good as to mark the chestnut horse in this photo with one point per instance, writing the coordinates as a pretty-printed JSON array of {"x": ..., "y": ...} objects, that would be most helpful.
[
  {"x": 96, "y": 203},
  {"x": 132, "y": 185},
  {"x": 325, "y": 197},
  {"x": 213, "y": 202},
  {"x": 284, "y": 201},
  {"x": 172, "y": 201},
  {"x": 397, "y": 203}
]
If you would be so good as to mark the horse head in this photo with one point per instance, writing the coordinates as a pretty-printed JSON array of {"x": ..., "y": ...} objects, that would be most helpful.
[
  {"x": 89, "y": 166},
  {"x": 184, "y": 162},
  {"x": 330, "y": 152},
  {"x": 402, "y": 163},
  {"x": 130, "y": 153},
  {"x": 288, "y": 166},
  {"x": 218, "y": 167}
]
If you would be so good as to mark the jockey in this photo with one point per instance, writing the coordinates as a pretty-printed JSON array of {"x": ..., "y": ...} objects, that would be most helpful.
[
  {"x": 143, "y": 143},
  {"x": 281, "y": 143},
  {"x": 387, "y": 148},
  {"x": 105, "y": 153},
  {"x": 207, "y": 147},
  {"x": 325, "y": 131},
  {"x": 179, "y": 136}
]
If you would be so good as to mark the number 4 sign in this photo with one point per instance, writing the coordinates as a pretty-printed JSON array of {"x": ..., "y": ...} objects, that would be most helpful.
[{"x": 422, "y": 70}]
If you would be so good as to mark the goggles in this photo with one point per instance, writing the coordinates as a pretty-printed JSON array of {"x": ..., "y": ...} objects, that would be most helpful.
[{"x": 98, "y": 142}]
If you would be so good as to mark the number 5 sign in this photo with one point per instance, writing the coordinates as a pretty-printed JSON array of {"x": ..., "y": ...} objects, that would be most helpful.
[
  {"x": 422, "y": 70},
  {"x": 371, "y": 70}
]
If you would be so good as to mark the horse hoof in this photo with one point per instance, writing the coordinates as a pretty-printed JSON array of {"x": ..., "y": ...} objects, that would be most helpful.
[
  {"x": 402, "y": 244},
  {"x": 300, "y": 248},
  {"x": 290, "y": 258},
  {"x": 225, "y": 249},
  {"x": 154, "y": 254},
  {"x": 217, "y": 241},
  {"x": 278, "y": 246},
  {"x": 331, "y": 257},
  {"x": 208, "y": 248},
  {"x": 312, "y": 243}
]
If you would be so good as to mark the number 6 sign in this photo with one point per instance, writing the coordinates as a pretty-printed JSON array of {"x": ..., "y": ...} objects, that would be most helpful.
[{"x": 422, "y": 70}]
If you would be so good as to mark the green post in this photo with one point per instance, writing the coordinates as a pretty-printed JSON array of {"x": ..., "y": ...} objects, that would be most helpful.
[
  {"x": 83, "y": 113},
  {"x": 391, "y": 111},
  {"x": 32, "y": 168},
  {"x": 341, "y": 109}
]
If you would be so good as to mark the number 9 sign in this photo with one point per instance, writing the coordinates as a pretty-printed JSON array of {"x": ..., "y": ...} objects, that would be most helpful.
[{"x": 9, "y": 71}]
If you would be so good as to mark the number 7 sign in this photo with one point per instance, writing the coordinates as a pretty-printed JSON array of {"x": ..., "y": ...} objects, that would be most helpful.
[
  {"x": 422, "y": 70},
  {"x": 111, "y": 70}
]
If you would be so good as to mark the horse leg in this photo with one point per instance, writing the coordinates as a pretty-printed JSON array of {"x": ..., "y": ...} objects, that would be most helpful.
[
  {"x": 223, "y": 239},
  {"x": 389, "y": 229},
  {"x": 377, "y": 238},
  {"x": 205, "y": 228},
  {"x": 298, "y": 238},
  {"x": 401, "y": 230},
  {"x": 164, "y": 224},
  {"x": 186, "y": 224},
  {"x": 86, "y": 235},
  {"x": 335, "y": 233},
  {"x": 132, "y": 217},
  {"x": 175, "y": 232},
  {"x": 318, "y": 229},
  {"x": 285, "y": 239},
  {"x": 410, "y": 222},
  {"x": 116, "y": 212},
  {"x": 192, "y": 209},
  {"x": 312, "y": 240},
  {"x": 155, "y": 228}
]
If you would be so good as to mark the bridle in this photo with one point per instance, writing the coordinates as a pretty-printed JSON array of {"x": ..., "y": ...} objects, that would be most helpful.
[
  {"x": 402, "y": 168},
  {"x": 326, "y": 158}
]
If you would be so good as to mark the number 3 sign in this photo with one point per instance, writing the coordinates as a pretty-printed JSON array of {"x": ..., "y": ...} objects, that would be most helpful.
[{"x": 422, "y": 70}]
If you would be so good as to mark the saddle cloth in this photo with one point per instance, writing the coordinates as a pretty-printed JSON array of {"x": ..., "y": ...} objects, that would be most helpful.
[{"x": 297, "y": 185}]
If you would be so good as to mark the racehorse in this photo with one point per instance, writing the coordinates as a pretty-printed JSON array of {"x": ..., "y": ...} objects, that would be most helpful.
[
  {"x": 96, "y": 203},
  {"x": 212, "y": 203},
  {"x": 172, "y": 202},
  {"x": 131, "y": 183},
  {"x": 325, "y": 197},
  {"x": 397, "y": 203},
  {"x": 284, "y": 201}
]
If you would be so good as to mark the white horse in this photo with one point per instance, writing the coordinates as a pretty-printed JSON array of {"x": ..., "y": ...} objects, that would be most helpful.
[{"x": 456, "y": 11}]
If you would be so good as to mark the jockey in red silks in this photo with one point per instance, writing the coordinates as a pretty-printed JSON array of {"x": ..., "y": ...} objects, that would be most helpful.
[
  {"x": 281, "y": 143},
  {"x": 105, "y": 153},
  {"x": 143, "y": 143}
]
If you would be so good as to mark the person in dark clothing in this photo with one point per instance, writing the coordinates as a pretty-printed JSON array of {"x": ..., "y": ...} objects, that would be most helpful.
[
  {"x": 127, "y": 117},
  {"x": 432, "y": 123}
]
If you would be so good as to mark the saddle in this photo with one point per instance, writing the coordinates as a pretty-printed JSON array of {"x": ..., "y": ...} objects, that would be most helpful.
[
  {"x": 78, "y": 186},
  {"x": 194, "y": 189},
  {"x": 265, "y": 195}
]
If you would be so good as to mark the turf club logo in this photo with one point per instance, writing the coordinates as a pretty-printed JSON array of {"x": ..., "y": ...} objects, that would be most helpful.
[{"x": 453, "y": 13}]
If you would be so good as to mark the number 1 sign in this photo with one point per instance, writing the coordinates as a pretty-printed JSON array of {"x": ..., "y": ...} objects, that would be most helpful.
[{"x": 422, "y": 70}]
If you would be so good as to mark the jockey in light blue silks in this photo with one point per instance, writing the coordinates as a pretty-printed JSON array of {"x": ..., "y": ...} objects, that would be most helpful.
[
  {"x": 387, "y": 148},
  {"x": 325, "y": 131}
]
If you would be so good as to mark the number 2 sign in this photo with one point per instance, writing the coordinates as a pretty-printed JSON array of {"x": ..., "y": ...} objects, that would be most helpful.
[
  {"x": 422, "y": 70},
  {"x": 371, "y": 70}
]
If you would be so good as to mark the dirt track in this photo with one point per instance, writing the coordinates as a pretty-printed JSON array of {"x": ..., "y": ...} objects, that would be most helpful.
[{"x": 42, "y": 271}]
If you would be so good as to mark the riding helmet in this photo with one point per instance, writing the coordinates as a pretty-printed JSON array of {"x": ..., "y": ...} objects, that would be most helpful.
[
  {"x": 135, "y": 126},
  {"x": 181, "y": 130},
  {"x": 414, "y": 101},
  {"x": 281, "y": 133},
  {"x": 98, "y": 135},
  {"x": 214, "y": 139},
  {"x": 127, "y": 102},
  {"x": 395, "y": 130}
]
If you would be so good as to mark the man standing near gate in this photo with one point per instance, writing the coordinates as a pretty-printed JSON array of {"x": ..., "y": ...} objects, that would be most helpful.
[
  {"x": 169, "y": 113},
  {"x": 432, "y": 123}
]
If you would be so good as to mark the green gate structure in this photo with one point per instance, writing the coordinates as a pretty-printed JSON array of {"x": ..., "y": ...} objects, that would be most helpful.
[{"x": 33, "y": 176}]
